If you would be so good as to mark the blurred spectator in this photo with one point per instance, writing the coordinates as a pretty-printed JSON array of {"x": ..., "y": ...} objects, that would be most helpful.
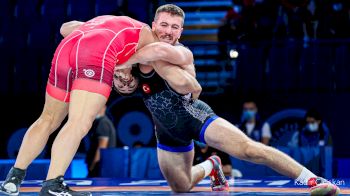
[
  {"x": 312, "y": 20},
  {"x": 249, "y": 20},
  {"x": 251, "y": 124},
  {"x": 315, "y": 132},
  {"x": 280, "y": 29},
  {"x": 102, "y": 135},
  {"x": 338, "y": 19},
  {"x": 228, "y": 31},
  {"x": 203, "y": 152},
  {"x": 266, "y": 16},
  {"x": 296, "y": 17}
]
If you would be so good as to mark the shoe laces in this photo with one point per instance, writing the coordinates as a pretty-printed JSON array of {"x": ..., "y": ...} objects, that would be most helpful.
[
  {"x": 64, "y": 187},
  {"x": 218, "y": 178},
  {"x": 13, "y": 180}
]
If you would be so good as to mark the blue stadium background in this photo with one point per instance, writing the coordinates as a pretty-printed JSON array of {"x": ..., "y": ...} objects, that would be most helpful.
[{"x": 281, "y": 74}]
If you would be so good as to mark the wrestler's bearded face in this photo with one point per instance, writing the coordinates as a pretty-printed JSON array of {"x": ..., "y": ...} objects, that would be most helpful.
[{"x": 167, "y": 27}]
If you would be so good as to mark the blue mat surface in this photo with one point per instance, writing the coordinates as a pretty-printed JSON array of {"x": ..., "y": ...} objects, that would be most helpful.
[{"x": 112, "y": 186}]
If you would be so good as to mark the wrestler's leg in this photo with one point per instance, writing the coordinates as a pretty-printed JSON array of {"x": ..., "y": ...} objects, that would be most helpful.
[
  {"x": 226, "y": 137},
  {"x": 177, "y": 169},
  {"x": 38, "y": 133},
  {"x": 83, "y": 109},
  {"x": 55, "y": 108}
]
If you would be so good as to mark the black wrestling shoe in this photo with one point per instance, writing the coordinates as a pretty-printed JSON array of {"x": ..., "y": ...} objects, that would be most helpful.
[
  {"x": 13, "y": 180},
  {"x": 58, "y": 188}
]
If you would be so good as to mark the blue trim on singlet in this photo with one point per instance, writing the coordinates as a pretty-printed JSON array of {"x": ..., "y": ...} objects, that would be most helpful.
[
  {"x": 204, "y": 128},
  {"x": 176, "y": 149}
]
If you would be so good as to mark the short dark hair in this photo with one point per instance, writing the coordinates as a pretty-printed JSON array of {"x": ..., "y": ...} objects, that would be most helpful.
[
  {"x": 172, "y": 9},
  {"x": 250, "y": 100},
  {"x": 313, "y": 113}
]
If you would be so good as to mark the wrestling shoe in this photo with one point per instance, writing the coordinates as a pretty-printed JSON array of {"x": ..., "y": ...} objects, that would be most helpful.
[
  {"x": 321, "y": 186},
  {"x": 12, "y": 182},
  {"x": 217, "y": 177},
  {"x": 59, "y": 188}
]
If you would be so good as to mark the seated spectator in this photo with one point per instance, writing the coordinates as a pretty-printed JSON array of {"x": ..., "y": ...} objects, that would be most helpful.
[
  {"x": 315, "y": 132},
  {"x": 251, "y": 124},
  {"x": 203, "y": 152},
  {"x": 102, "y": 135}
]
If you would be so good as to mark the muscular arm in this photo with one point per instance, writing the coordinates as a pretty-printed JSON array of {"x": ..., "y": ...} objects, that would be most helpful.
[
  {"x": 173, "y": 63},
  {"x": 69, "y": 27},
  {"x": 181, "y": 80},
  {"x": 159, "y": 51}
]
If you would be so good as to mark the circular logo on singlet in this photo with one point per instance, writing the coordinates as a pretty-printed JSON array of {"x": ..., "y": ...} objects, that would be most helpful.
[
  {"x": 89, "y": 72},
  {"x": 146, "y": 88}
]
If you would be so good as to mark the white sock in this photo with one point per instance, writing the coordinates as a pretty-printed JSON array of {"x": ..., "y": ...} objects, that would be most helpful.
[
  {"x": 207, "y": 166},
  {"x": 305, "y": 175}
]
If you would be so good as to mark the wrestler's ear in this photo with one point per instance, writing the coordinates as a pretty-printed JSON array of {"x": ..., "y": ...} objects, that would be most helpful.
[
  {"x": 153, "y": 26},
  {"x": 180, "y": 33}
]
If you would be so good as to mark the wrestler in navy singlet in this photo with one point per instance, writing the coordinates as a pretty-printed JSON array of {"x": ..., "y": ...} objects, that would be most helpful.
[{"x": 178, "y": 119}]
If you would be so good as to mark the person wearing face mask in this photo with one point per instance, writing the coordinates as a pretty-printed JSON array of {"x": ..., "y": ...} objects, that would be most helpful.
[
  {"x": 251, "y": 124},
  {"x": 315, "y": 132},
  {"x": 181, "y": 118}
]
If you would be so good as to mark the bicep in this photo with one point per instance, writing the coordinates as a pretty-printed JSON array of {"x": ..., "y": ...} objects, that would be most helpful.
[
  {"x": 183, "y": 55},
  {"x": 178, "y": 78},
  {"x": 180, "y": 56}
]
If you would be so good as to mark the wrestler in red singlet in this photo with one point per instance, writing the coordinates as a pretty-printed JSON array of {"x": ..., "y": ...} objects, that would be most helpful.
[{"x": 86, "y": 58}]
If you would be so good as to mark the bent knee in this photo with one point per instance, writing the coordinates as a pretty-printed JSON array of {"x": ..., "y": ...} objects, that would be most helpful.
[
  {"x": 180, "y": 188},
  {"x": 180, "y": 184}
]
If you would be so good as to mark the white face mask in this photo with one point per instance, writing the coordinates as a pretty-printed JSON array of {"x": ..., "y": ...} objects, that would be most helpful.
[{"x": 312, "y": 127}]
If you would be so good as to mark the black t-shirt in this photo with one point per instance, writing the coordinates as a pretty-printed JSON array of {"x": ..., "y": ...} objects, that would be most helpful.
[{"x": 101, "y": 127}]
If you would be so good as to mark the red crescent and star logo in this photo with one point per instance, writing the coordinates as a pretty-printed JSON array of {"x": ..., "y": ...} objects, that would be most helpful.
[{"x": 146, "y": 88}]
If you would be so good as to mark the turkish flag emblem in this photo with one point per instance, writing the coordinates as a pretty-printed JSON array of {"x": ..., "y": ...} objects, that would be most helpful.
[{"x": 146, "y": 88}]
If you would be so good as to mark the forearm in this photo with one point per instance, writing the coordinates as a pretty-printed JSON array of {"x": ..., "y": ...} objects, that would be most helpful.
[
  {"x": 181, "y": 80},
  {"x": 102, "y": 144},
  {"x": 191, "y": 86},
  {"x": 68, "y": 27},
  {"x": 95, "y": 160},
  {"x": 159, "y": 51}
]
